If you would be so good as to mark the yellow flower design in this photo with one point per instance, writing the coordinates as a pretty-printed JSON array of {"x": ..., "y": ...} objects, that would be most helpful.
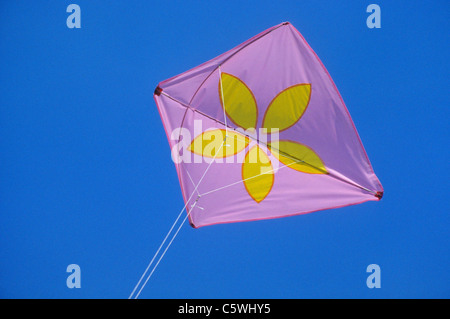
[{"x": 284, "y": 111}]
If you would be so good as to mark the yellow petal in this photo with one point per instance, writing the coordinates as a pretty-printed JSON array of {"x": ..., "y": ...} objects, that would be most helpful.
[
  {"x": 238, "y": 100},
  {"x": 298, "y": 156},
  {"x": 209, "y": 143},
  {"x": 287, "y": 107},
  {"x": 257, "y": 173}
]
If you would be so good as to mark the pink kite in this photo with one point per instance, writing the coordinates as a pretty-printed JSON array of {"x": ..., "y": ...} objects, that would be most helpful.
[{"x": 262, "y": 132}]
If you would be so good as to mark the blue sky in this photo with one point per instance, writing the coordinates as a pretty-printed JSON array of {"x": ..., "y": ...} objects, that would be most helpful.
[{"x": 86, "y": 176}]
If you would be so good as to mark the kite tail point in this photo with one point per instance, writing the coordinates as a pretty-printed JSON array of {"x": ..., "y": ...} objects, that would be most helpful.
[
  {"x": 192, "y": 225},
  {"x": 379, "y": 195},
  {"x": 158, "y": 91}
]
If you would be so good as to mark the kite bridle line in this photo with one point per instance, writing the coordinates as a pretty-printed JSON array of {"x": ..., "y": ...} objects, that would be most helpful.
[
  {"x": 170, "y": 230},
  {"x": 293, "y": 158},
  {"x": 248, "y": 178}
]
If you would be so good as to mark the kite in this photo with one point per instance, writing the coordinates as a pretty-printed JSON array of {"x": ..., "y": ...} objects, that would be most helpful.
[{"x": 262, "y": 132}]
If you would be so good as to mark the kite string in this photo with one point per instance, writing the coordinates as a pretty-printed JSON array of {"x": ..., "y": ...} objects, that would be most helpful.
[
  {"x": 157, "y": 252},
  {"x": 164, "y": 252},
  {"x": 176, "y": 233}
]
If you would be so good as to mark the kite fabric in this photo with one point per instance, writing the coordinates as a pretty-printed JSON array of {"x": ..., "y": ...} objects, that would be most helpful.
[{"x": 262, "y": 132}]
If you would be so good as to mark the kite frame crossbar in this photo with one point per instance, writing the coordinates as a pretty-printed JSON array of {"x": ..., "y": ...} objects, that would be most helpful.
[{"x": 351, "y": 182}]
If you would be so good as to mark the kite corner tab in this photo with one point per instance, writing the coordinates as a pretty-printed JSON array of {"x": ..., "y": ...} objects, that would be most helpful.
[
  {"x": 158, "y": 91},
  {"x": 379, "y": 195}
]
